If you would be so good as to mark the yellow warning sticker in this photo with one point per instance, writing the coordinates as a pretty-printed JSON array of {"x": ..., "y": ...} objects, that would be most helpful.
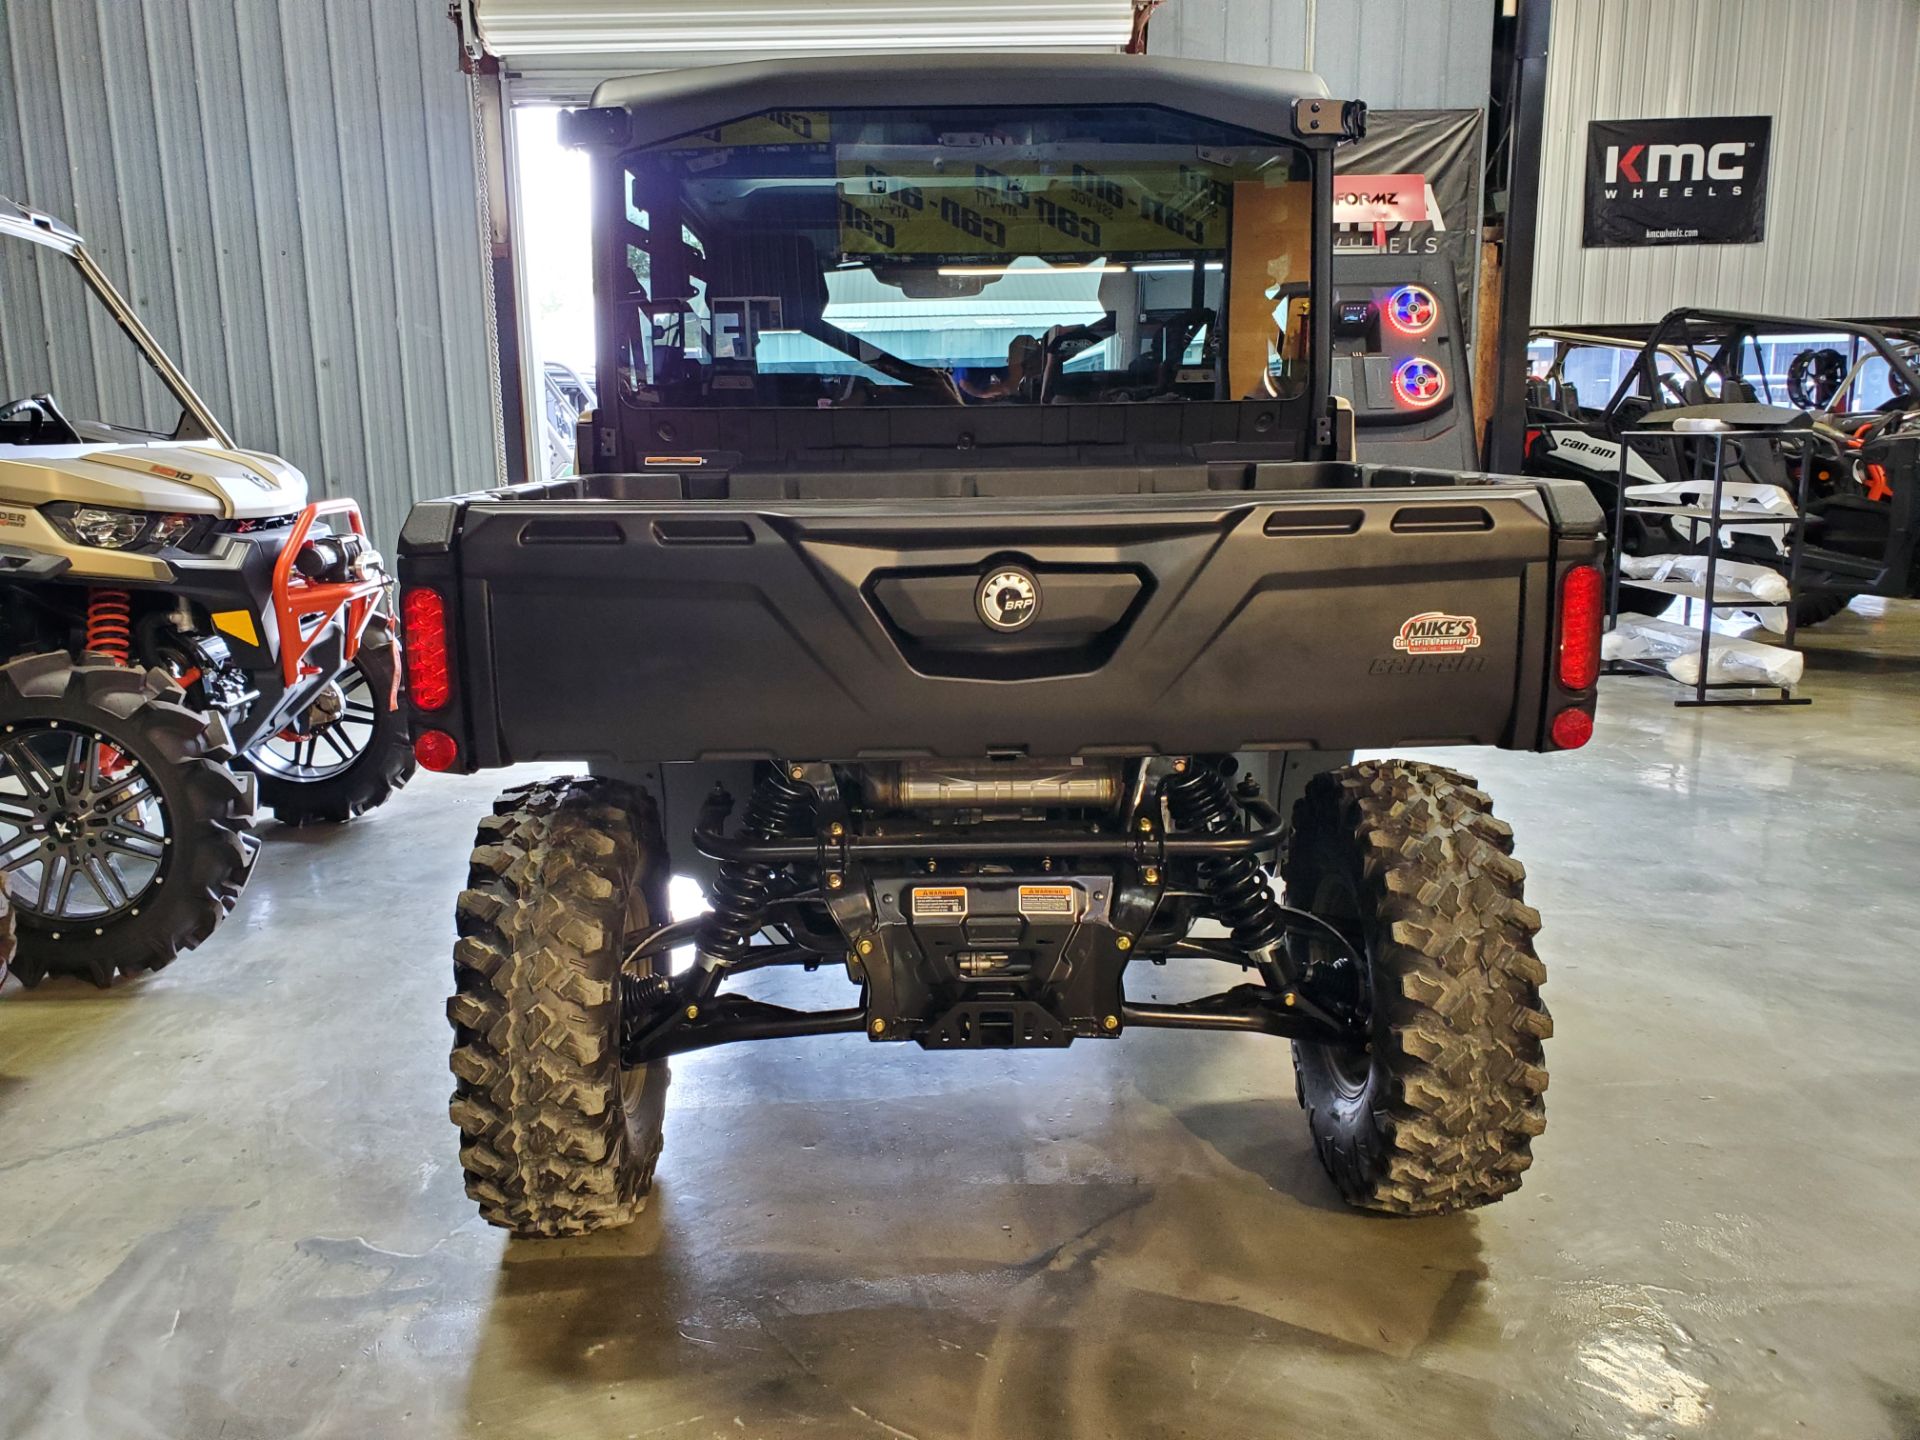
[
  {"x": 940, "y": 902},
  {"x": 1049, "y": 902},
  {"x": 237, "y": 623}
]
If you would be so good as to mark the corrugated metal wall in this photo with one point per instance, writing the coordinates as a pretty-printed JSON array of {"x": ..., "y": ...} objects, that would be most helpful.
[
  {"x": 285, "y": 189},
  {"x": 1399, "y": 54},
  {"x": 1841, "y": 79}
]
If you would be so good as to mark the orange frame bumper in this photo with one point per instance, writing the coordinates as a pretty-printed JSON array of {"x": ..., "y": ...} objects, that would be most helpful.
[{"x": 303, "y": 608}]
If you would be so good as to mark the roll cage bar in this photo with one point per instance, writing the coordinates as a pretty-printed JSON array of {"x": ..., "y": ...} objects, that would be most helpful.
[
  {"x": 1720, "y": 336},
  {"x": 1564, "y": 339},
  {"x": 197, "y": 421}
]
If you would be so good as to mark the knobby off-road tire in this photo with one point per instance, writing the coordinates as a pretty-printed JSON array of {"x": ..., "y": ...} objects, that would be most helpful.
[
  {"x": 6, "y": 934},
  {"x": 555, "y": 1137},
  {"x": 383, "y": 767},
  {"x": 209, "y": 809},
  {"x": 1816, "y": 607},
  {"x": 1409, "y": 862}
]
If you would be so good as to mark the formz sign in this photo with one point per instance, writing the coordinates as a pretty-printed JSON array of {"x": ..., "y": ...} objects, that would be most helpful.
[{"x": 1698, "y": 181}]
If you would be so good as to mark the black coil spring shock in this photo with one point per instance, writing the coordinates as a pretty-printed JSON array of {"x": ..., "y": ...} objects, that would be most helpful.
[
  {"x": 1198, "y": 799},
  {"x": 781, "y": 807}
]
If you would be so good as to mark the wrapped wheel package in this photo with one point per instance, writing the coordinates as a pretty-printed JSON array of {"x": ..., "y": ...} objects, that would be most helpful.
[
  {"x": 1737, "y": 498},
  {"x": 1676, "y": 649},
  {"x": 1730, "y": 577},
  {"x": 1733, "y": 579}
]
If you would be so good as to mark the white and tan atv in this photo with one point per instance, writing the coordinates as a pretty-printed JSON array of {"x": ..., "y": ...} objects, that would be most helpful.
[{"x": 182, "y": 631}]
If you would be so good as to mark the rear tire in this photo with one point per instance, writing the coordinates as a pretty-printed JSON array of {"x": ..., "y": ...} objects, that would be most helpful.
[
  {"x": 203, "y": 863},
  {"x": 6, "y": 934},
  {"x": 1816, "y": 607},
  {"x": 557, "y": 1138},
  {"x": 1409, "y": 863},
  {"x": 371, "y": 778}
]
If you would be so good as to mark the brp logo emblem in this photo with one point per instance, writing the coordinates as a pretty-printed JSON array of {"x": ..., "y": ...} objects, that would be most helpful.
[{"x": 1009, "y": 599}]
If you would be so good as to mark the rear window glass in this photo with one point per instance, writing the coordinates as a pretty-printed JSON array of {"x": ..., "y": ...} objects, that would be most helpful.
[{"x": 962, "y": 257}]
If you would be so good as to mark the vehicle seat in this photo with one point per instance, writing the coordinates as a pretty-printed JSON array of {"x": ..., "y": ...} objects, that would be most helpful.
[{"x": 1738, "y": 392}]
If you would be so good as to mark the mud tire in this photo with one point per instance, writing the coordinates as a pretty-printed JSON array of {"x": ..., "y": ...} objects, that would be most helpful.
[
  {"x": 6, "y": 935},
  {"x": 209, "y": 807},
  {"x": 1816, "y": 607},
  {"x": 556, "y": 1138},
  {"x": 1409, "y": 860}
]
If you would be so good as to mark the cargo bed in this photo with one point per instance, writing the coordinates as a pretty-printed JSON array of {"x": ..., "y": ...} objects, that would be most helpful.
[{"x": 1182, "y": 609}]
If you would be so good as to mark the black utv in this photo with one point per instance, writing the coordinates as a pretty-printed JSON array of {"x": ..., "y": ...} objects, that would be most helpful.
[{"x": 971, "y": 584}]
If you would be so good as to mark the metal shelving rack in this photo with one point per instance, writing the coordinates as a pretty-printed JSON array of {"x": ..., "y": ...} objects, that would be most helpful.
[{"x": 1707, "y": 595}]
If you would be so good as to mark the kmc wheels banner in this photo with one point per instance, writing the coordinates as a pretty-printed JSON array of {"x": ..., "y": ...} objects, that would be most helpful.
[{"x": 1697, "y": 181}]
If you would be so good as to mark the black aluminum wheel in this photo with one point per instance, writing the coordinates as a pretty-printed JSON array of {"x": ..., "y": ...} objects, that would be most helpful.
[
  {"x": 84, "y": 830},
  {"x": 334, "y": 733},
  {"x": 349, "y": 752}
]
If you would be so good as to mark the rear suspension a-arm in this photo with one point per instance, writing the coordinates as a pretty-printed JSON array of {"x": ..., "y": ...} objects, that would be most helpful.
[{"x": 1225, "y": 834}]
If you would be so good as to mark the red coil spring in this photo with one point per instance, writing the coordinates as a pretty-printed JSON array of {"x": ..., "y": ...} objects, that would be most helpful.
[{"x": 110, "y": 625}]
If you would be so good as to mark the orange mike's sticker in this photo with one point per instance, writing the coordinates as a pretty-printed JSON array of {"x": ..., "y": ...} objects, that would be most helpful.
[{"x": 1437, "y": 633}]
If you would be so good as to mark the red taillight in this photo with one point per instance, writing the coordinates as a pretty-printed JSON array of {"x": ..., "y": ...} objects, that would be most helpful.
[
  {"x": 423, "y": 619},
  {"x": 1582, "y": 607},
  {"x": 1571, "y": 729},
  {"x": 436, "y": 750}
]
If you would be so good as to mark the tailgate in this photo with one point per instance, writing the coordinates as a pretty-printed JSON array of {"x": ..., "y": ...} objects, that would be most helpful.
[{"x": 682, "y": 630}]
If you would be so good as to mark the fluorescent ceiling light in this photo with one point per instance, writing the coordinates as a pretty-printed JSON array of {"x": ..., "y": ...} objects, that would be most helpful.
[
  {"x": 1148, "y": 267},
  {"x": 1050, "y": 271}
]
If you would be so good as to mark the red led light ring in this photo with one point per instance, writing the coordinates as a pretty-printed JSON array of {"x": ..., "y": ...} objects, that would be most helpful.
[
  {"x": 1412, "y": 310},
  {"x": 1419, "y": 383}
]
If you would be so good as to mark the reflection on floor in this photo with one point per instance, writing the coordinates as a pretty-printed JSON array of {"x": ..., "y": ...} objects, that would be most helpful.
[{"x": 231, "y": 1207}]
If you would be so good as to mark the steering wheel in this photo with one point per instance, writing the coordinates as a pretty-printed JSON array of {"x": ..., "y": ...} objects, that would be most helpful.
[
  {"x": 39, "y": 407},
  {"x": 1815, "y": 377},
  {"x": 1673, "y": 387},
  {"x": 1064, "y": 333}
]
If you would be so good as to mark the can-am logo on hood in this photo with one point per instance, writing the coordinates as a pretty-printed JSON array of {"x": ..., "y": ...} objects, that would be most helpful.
[{"x": 1437, "y": 633}]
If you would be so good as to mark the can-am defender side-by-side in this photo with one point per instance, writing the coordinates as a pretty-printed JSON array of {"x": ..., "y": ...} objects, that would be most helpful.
[
  {"x": 181, "y": 629},
  {"x": 970, "y": 566},
  {"x": 1854, "y": 388}
]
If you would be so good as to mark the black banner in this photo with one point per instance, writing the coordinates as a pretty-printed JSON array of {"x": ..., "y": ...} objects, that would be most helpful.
[
  {"x": 1375, "y": 194},
  {"x": 1697, "y": 181},
  {"x": 1442, "y": 148}
]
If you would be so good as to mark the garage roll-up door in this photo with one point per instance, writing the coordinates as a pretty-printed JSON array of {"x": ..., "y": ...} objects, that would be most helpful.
[{"x": 559, "y": 49}]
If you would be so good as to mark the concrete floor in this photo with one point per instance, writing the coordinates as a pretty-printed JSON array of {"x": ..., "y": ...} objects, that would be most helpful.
[{"x": 231, "y": 1205}]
